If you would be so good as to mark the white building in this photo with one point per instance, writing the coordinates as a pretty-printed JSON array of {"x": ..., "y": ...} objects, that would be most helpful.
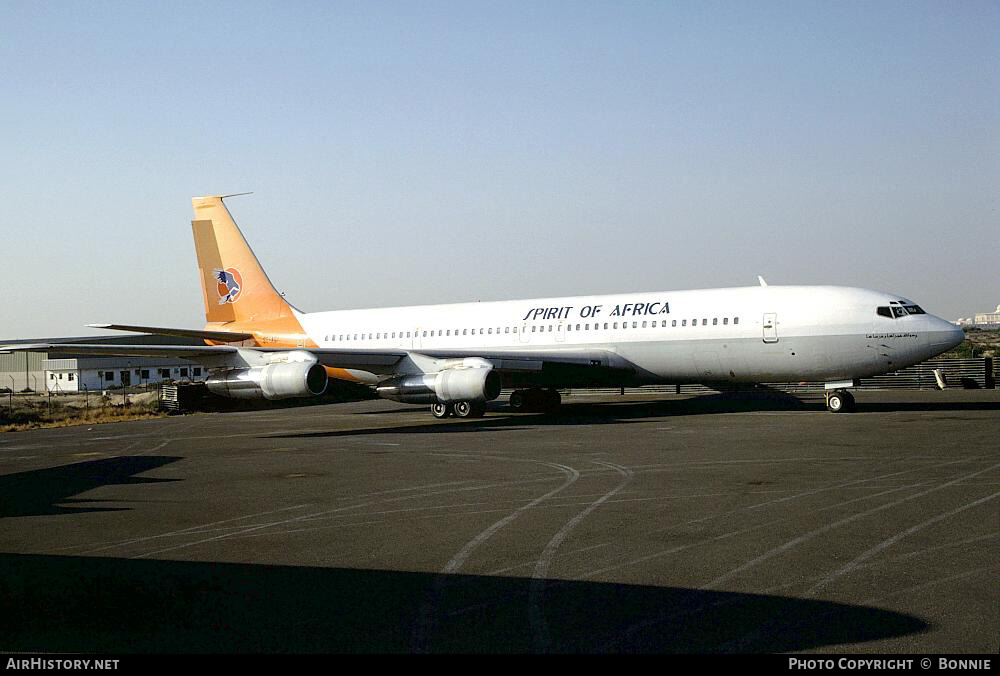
[
  {"x": 988, "y": 317},
  {"x": 99, "y": 373}
]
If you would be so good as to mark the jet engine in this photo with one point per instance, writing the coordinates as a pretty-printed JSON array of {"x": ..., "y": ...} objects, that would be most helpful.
[
  {"x": 447, "y": 386},
  {"x": 273, "y": 381}
]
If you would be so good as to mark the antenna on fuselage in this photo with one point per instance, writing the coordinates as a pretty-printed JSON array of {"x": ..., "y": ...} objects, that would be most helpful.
[{"x": 761, "y": 280}]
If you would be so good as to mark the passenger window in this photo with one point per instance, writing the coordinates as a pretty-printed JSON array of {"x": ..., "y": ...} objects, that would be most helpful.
[
  {"x": 490, "y": 332},
  {"x": 736, "y": 320},
  {"x": 704, "y": 322},
  {"x": 532, "y": 329},
  {"x": 673, "y": 323},
  {"x": 684, "y": 322},
  {"x": 644, "y": 325},
  {"x": 615, "y": 325},
  {"x": 715, "y": 321},
  {"x": 725, "y": 320},
  {"x": 577, "y": 327},
  {"x": 515, "y": 329},
  {"x": 605, "y": 326},
  {"x": 635, "y": 325},
  {"x": 506, "y": 330}
]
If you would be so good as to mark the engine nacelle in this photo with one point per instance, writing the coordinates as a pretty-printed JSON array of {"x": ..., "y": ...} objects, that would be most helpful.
[
  {"x": 445, "y": 387},
  {"x": 273, "y": 381}
]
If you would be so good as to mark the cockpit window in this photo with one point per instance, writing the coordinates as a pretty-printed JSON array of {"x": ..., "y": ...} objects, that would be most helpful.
[{"x": 896, "y": 311}]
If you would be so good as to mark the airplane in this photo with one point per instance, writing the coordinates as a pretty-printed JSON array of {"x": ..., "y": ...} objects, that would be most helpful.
[{"x": 458, "y": 357}]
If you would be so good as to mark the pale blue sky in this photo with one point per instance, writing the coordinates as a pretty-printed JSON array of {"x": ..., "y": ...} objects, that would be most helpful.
[{"x": 431, "y": 152}]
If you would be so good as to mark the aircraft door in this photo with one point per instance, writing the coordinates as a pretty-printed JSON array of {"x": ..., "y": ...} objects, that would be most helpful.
[
  {"x": 561, "y": 333},
  {"x": 525, "y": 338},
  {"x": 770, "y": 327}
]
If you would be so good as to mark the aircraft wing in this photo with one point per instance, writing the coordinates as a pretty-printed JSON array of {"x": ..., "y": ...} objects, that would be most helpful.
[
  {"x": 102, "y": 350},
  {"x": 566, "y": 360},
  {"x": 221, "y": 336}
]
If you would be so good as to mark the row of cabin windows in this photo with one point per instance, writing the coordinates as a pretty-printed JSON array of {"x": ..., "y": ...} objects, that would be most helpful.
[{"x": 596, "y": 326}]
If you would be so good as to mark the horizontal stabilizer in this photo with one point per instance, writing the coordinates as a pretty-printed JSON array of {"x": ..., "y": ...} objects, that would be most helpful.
[{"x": 221, "y": 336}]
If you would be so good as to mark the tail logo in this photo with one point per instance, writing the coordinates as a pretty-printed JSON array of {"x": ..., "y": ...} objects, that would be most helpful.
[{"x": 229, "y": 285}]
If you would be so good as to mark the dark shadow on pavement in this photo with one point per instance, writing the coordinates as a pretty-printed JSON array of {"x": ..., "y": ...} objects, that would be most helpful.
[
  {"x": 500, "y": 417},
  {"x": 39, "y": 492},
  {"x": 90, "y": 604}
]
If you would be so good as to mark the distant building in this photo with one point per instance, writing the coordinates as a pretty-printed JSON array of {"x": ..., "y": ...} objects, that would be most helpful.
[
  {"x": 100, "y": 373},
  {"x": 988, "y": 317},
  {"x": 65, "y": 372}
]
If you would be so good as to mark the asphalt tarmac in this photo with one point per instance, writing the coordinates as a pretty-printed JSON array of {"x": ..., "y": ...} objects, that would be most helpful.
[{"x": 722, "y": 523}]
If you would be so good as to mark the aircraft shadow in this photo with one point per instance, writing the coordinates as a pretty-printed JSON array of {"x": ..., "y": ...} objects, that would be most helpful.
[
  {"x": 90, "y": 604},
  {"x": 500, "y": 417},
  {"x": 40, "y": 492}
]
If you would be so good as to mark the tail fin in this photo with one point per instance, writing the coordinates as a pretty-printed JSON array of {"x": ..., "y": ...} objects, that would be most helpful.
[{"x": 235, "y": 286}]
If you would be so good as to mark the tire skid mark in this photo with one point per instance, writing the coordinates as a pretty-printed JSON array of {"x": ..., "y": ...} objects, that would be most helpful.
[
  {"x": 888, "y": 542},
  {"x": 780, "y": 549},
  {"x": 771, "y": 626},
  {"x": 429, "y": 609},
  {"x": 186, "y": 531},
  {"x": 738, "y": 510},
  {"x": 320, "y": 515},
  {"x": 537, "y": 588}
]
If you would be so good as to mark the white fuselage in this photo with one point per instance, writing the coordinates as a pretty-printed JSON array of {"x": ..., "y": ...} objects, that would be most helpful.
[{"x": 746, "y": 334}]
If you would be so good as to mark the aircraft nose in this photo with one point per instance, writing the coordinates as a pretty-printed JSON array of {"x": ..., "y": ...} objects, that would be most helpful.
[
  {"x": 957, "y": 336},
  {"x": 945, "y": 335}
]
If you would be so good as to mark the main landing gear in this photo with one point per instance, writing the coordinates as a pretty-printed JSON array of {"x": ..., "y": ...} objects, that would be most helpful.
[
  {"x": 459, "y": 409},
  {"x": 535, "y": 399},
  {"x": 839, "y": 401}
]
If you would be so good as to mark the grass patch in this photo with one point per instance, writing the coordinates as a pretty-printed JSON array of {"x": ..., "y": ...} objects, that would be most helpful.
[{"x": 32, "y": 418}]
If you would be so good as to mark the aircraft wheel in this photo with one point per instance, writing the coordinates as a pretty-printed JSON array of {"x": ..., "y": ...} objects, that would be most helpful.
[
  {"x": 517, "y": 400},
  {"x": 839, "y": 401},
  {"x": 463, "y": 409},
  {"x": 849, "y": 400},
  {"x": 441, "y": 410},
  {"x": 552, "y": 399},
  {"x": 478, "y": 409}
]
